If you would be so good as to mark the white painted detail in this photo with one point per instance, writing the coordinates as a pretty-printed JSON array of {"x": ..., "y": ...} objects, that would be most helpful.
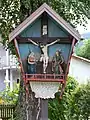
[
  {"x": 11, "y": 80},
  {"x": 7, "y": 81},
  {"x": 44, "y": 90},
  {"x": 7, "y": 57}
]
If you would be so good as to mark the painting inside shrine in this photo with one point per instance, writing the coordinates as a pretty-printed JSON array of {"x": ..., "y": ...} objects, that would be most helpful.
[
  {"x": 45, "y": 45},
  {"x": 40, "y": 59}
]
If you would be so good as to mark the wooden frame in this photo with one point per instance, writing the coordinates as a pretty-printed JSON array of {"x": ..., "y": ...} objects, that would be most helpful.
[
  {"x": 67, "y": 69},
  {"x": 19, "y": 58},
  {"x": 44, "y": 21}
]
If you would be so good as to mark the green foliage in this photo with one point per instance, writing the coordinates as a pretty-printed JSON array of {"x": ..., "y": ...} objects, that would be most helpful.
[
  {"x": 10, "y": 97},
  {"x": 59, "y": 109},
  {"x": 80, "y": 105},
  {"x": 9, "y": 18},
  {"x": 69, "y": 9},
  {"x": 75, "y": 104},
  {"x": 84, "y": 50}
]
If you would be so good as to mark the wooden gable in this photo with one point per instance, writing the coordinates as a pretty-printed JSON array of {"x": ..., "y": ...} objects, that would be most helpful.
[{"x": 34, "y": 16}]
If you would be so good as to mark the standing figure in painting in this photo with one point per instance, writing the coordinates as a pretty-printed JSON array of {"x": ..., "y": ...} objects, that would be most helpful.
[
  {"x": 31, "y": 63},
  {"x": 44, "y": 53},
  {"x": 57, "y": 61}
]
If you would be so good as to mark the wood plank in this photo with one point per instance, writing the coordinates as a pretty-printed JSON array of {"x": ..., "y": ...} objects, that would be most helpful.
[
  {"x": 45, "y": 78},
  {"x": 18, "y": 53},
  {"x": 44, "y": 109},
  {"x": 43, "y": 40}
]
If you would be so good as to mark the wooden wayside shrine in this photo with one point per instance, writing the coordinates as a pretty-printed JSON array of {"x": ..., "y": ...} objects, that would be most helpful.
[{"x": 44, "y": 44}]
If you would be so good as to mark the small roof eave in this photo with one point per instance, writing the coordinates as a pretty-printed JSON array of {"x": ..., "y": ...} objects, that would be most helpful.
[
  {"x": 36, "y": 14},
  {"x": 81, "y": 58}
]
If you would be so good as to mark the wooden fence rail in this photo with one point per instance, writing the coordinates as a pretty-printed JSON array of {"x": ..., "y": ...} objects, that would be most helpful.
[{"x": 6, "y": 111}]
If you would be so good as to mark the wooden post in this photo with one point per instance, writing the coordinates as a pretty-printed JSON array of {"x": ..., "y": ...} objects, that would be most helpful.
[{"x": 44, "y": 109}]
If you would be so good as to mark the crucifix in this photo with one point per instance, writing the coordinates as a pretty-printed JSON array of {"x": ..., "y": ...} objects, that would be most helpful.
[{"x": 44, "y": 51}]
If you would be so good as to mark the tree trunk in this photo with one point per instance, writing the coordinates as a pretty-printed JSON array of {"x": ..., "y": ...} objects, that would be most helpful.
[{"x": 28, "y": 107}]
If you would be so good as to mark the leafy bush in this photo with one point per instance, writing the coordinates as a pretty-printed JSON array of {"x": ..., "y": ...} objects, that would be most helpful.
[
  {"x": 80, "y": 105},
  {"x": 8, "y": 96},
  {"x": 84, "y": 50},
  {"x": 1, "y": 101},
  {"x": 75, "y": 104},
  {"x": 59, "y": 109}
]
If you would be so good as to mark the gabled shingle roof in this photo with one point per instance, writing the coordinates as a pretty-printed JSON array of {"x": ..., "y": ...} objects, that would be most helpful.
[{"x": 36, "y": 14}]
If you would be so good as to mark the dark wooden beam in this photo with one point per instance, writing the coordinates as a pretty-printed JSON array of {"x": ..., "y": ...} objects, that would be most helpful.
[
  {"x": 43, "y": 40},
  {"x": 44, "y": 109},
  {"x": 44, "y": 21}
]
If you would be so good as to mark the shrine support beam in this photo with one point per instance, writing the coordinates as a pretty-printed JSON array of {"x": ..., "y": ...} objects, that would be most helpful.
[
  {"x": 18, "y": 54},
  {"x": 68, "y": 64}
]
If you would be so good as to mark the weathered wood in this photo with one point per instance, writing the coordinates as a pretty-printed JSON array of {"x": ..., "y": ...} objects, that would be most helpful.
[
  {"x": 44, "y": 21},
  {"x": 44, "y": 109},
  {"x": 45, "y": 77},
  {"x": 28, "y": 106},
  {"x": 43, "y": 40}
]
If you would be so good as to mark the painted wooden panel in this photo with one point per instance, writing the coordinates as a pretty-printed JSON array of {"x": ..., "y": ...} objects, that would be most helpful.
[
  {"x": 55, "y": 30},
  {"x": 33, "y": 30},
  {"x": 25, "y": 50},
  {"x": 65, "y": 50}
]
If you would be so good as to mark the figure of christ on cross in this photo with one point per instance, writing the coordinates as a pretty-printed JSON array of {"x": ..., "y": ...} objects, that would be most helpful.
[{"x": 44, "y": 52}]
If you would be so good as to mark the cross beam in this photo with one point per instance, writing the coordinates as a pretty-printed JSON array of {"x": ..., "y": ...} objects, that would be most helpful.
[{"x": 43, "y": 40}]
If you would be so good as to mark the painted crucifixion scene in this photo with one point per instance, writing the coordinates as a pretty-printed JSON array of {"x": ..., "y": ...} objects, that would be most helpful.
[{"x": 43, "y": 63}]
